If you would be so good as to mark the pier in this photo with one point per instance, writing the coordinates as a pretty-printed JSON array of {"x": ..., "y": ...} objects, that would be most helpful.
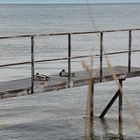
[
  {"x": 55, "y": 82},
  {"x": 29, "y": 85}
]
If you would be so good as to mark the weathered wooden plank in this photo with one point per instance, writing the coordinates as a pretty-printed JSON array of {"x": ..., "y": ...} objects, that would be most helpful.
[
  {"x": 15, "y": 85},
  {"x": 56, "y": 82}
]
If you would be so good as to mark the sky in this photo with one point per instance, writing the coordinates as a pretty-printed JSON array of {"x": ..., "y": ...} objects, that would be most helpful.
[{"x": 66, "y": 1}]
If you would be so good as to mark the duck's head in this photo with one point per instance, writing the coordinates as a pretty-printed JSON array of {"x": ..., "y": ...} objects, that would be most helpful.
[{"x": 63, "y": 70}]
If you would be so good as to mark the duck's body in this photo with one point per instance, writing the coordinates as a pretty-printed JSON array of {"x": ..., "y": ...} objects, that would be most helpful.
[
  {"x": 41, "y": 77},
  {"x": 63, "y": 73}
]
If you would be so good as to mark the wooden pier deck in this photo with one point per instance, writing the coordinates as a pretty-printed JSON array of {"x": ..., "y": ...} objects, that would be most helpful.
[{"x": 55, "y": 82}]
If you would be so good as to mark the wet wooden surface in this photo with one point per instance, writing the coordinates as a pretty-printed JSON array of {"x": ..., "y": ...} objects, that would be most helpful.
[{"x": 56, "y": 82}]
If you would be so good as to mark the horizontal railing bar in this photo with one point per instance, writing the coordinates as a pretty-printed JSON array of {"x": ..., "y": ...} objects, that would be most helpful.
[
  {"x": 91, "y": 32},
  {"x": 105, "y": 31},
  {"x": 66, "y": 33},
  {"x": 17, "y": 36},
  {"x": 47, "y": 60},
  {"x": 65, "y": 58},
  {"x": 23, "y": 36},
  {"x": 37, "y": 61},
  {"x": 135, "y": 50},
  {"x": 111, "y": 53},
  {"x": 14, "y": 64},
  {"x": 84, "y": 56}
]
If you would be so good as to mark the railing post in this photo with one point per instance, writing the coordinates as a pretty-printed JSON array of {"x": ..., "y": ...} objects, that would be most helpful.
[
  {"x": 69, "y": 60},
  {"x": 129, "y": 52},
  {"x": 32, "y": 64},
  {"x": 101, "y": 56}
]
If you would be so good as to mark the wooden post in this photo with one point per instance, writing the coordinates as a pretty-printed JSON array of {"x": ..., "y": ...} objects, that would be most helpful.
[
  {"x": 90, "y": 111},
  {"x": 120, "y": 121},
  {"x": 101, "y": 56},
  {"x": 129, "y": 52},
  {"x": 69, "y": 60},
  {"x": 109, "y": 104},
  {"x": 32, "y": 64},
  {"x": 118, "y": 93},
  {"x": 120, "y": 127},
  {"x": 120, "y": 102},
  {"x": 91, "y": 100}
]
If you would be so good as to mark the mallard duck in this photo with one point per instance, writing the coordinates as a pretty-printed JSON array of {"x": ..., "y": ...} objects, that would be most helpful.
[
  {"x": 41, "y": 77},
  {"x": 64, "y": 73}
]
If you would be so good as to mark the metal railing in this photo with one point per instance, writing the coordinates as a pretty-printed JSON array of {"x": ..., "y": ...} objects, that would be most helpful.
[{"x": 69, "y": 57}]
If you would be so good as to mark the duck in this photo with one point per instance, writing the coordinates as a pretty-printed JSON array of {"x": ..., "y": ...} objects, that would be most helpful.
[
  {"x": 64, "y": 73},
  {"x": 41, "y": 77}
]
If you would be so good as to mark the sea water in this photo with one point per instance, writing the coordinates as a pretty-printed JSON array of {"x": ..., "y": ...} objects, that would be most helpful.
[{"x": 16, "y": 19}]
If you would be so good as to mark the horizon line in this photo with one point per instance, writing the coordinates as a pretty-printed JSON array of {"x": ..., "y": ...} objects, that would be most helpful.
[{"x": 67, "y": 2}]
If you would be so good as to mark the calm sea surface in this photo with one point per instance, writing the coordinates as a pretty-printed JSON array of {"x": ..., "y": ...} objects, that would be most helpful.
[
  {"x": 66, "y": 120},
  {"x": 26, "y": 19}
]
